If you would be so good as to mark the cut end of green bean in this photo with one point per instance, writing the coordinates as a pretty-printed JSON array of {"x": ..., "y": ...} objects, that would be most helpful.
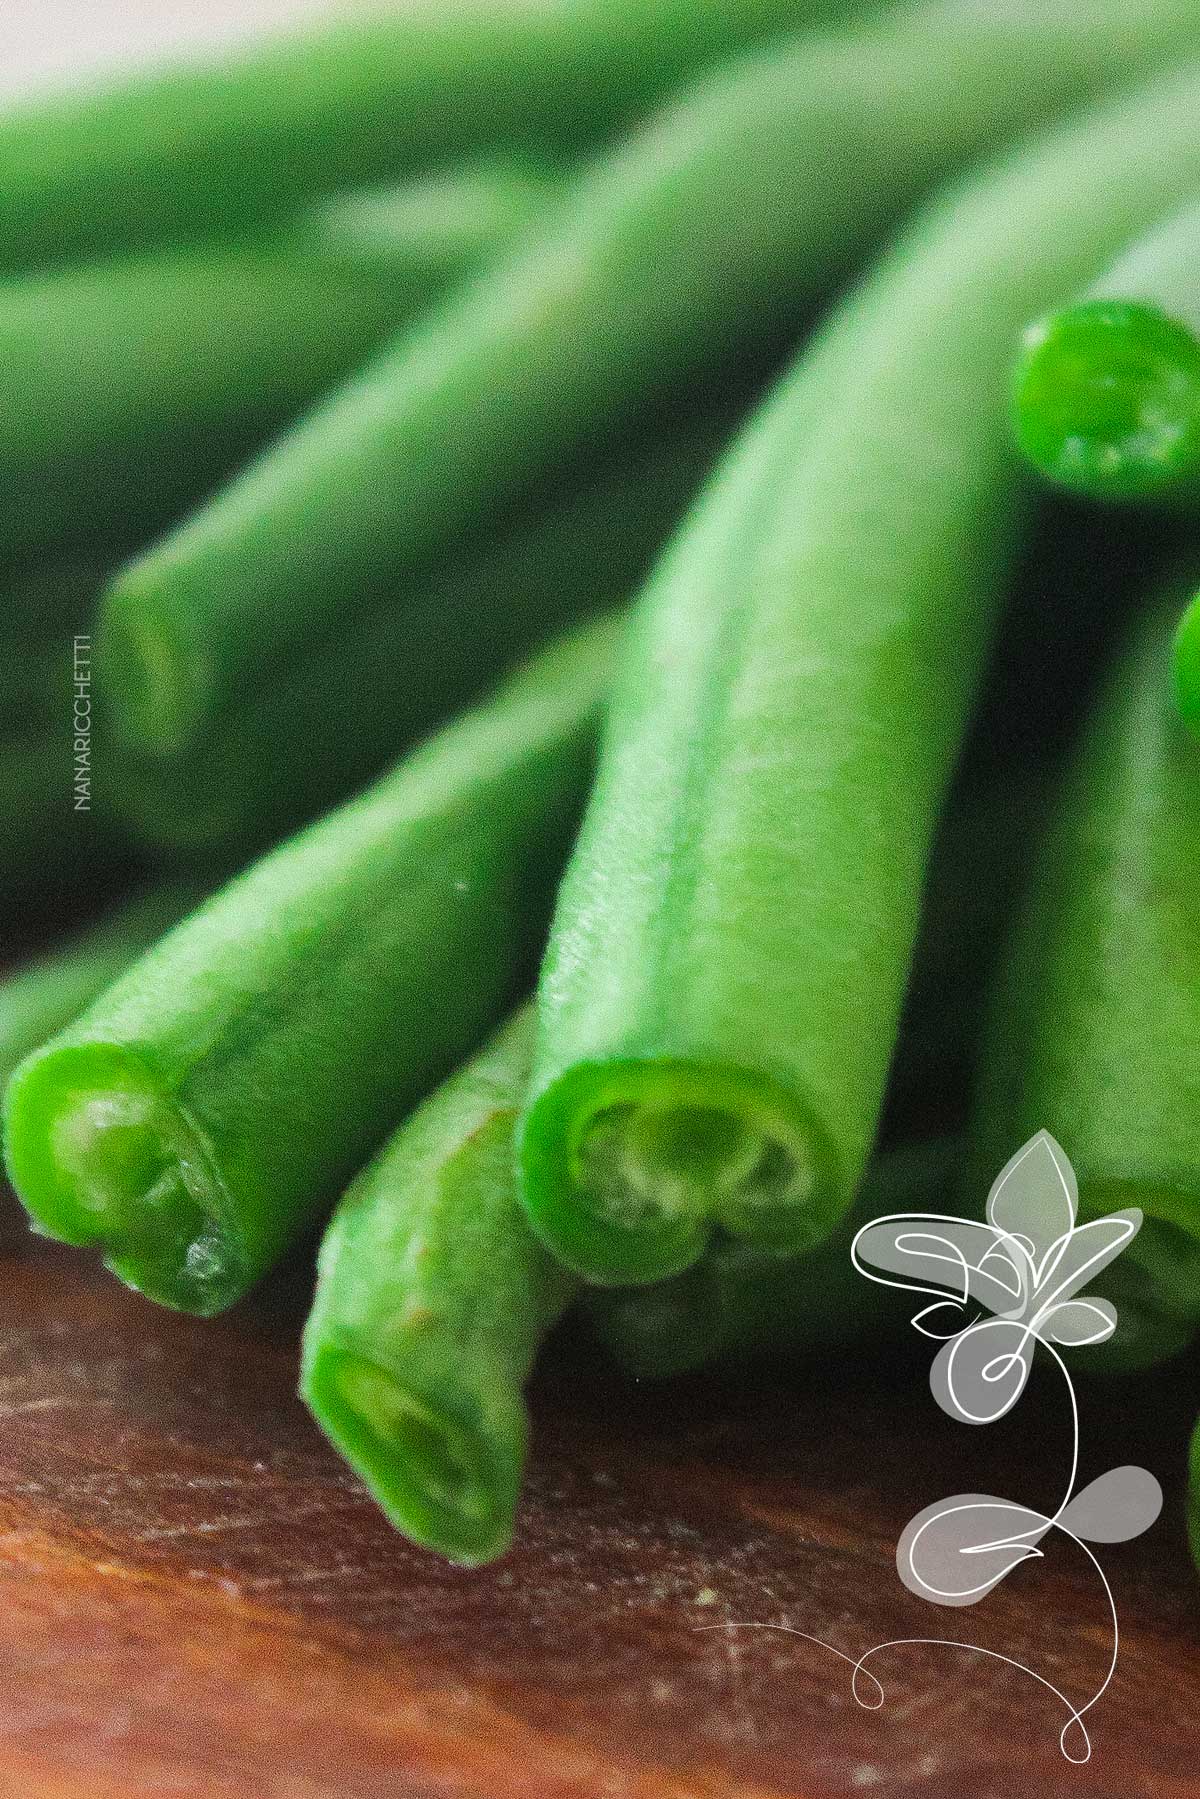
[
  {"x": 1107, "y": 401},
  {"x": 149, "y": 678},
  {"x": 628, "y": 1169},
  {"x": 101, "y": 1157},
  {"x": 1185, "y": 667},
  {"x": 446, "y": 1472}
]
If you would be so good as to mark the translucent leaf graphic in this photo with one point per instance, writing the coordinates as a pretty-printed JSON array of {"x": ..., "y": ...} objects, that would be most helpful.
[
  {"x": 979, "y": 1375},
  {"x": 1077, "y": 1322},
  {"x": 956, "y": 1551},
  {"x": 1034, "y": 1198},
  {"x": 1115, "y": 1507},
  {"x": 931, "y": 1253},
  {"x": 1076, "y": 1258}
]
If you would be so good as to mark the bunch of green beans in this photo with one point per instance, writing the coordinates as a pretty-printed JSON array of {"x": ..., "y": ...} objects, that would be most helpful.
[
  {"x": 461, "y": 606},
  {"x": 187, "y": 151},
  {"x": 803, "y": 662},
  {"x": 737, "y": 196},
  {"x": 398, "y": 671},
  {"x": 192, "y": 1123},
  {"x": 132, "y": 386}
]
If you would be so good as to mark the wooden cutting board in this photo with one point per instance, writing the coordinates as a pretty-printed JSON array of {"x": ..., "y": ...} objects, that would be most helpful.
[{"x": 196, "y": 1598}]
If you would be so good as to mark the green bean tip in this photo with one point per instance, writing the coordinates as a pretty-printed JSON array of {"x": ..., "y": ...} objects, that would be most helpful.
[
  {"x": 1106, "y": 400},
  {"x": 100, "y": 1156},
  {"x": 442, "y": 1458},
  {"x": 1185, "y": 667},
  {"x": 628, "y": 1168}
]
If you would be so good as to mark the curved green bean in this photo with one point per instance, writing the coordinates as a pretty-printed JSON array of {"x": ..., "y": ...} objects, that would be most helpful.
[
  {"x": 432, "y": 1298},
  {"x": 131, "y": 387},
  {"x": 197, "y": 1119},
  {"x": 43, "y": 995},
  {"x": 1096, "y": 1017},
  {"x": 1106, "y": 391},
  {"x": 399, "y": 670},
  {"x": 742, "y": 197},
  {"x": 733, "y": 937},
  {"x": 172, "y": 153}
]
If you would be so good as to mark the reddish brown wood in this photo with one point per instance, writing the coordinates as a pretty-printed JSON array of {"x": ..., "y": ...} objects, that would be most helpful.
[{"x": 195, "y": 1598}]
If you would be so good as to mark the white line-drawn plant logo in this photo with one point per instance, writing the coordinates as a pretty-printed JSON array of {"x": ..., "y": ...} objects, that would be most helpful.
[
  {"x": 1021, "y": 1272},
  {"x": 1025, "y": 1267}
]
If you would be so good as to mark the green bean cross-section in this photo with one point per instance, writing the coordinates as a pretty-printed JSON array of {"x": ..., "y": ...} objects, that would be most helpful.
[
  {"x": 433, "y": 1296},
  {"x": 1106, "y": 390},
  {"x": 733, "y": 935},
  {"x": 203, "y": 1113}
]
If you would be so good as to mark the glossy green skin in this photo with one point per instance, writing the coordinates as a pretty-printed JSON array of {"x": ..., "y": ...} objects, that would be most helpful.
[
  {"x": 400, "y": 669},
  {"x": 208, "y": 1107},
  {"x": 738, "y": 1302},
  {"x": 169, "y": 155},
  {"x": 1095, "y": 1033},
  {"x": 1106, "y": 391},
  {"x": 744, "y": 196},
  {"x": 430, "y": 1280},
  {"x": 45, "y": 995},
  {"x": 132, "y": 387},
  {"x": 1185, "y": 667},
  {"x": 743, "y": 898}
]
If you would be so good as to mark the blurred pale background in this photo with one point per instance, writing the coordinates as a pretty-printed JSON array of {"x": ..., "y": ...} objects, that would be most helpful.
[{"x": 45, "y": 42}]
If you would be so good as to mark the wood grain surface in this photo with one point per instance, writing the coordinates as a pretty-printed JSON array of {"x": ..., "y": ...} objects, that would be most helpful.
[{"x": 196, "y": 1598}]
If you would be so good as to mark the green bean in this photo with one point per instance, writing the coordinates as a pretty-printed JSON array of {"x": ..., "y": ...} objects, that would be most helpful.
[
  {"x": 743, "y": 197},
  {"x": 47, "y": 993},
  {"x": 1106, "y": 390},
  {"x": 1185, "y": 666},
  {"x": 1079, "y": 569},
  {"x": 197, "y": 1119},
  {"x": 733, "y": 936},
  {"x": 1097, "y": 1011},
  {"x": 173, "y": 153},
  {"x": 434, "y": 228},
  {"x": 432, "y": 1298},
  {"x": 131, "y": 387},
  {"x": 740, "y": 1302},
  {"x": 328, "y": 724}
]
